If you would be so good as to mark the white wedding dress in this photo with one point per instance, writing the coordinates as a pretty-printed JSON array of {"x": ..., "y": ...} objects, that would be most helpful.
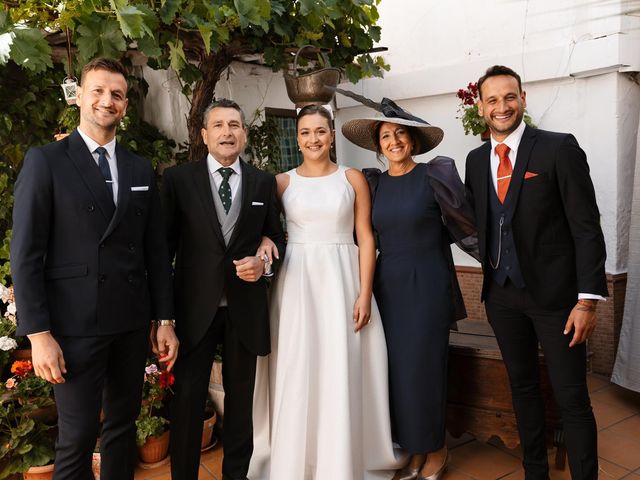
[{"x": 321, "y": 403}]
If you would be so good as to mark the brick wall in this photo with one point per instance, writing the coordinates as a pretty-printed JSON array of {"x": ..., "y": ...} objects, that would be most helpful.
[{"x": 603, "y": 343}]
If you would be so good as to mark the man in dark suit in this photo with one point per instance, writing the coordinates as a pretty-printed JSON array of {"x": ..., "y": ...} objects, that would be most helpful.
[
  {"x": 91, "y": 270},
  {"x": 218, "y": 209},
  {"x": 543, "y": 257}
]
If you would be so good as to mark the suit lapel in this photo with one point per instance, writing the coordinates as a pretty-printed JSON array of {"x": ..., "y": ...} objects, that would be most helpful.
[
  {"x": 522, "y": 160},
  {"x": 248, "y": 184},
  {"x": 125, "y": 174},
  {"x": 203, "y": 189},
  {"x": 483, "y": 183},
  {"x": 90, "y": 173}
]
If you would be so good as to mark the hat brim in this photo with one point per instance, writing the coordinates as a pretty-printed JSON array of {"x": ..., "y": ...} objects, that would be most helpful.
[{"x": 361, "y": 132}]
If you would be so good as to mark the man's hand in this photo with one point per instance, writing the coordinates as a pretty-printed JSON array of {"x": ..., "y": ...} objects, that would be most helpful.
[
  {"x": 47, "y": 358},
  {"x": 249, "y": 269},
  {"x": 583, "y": 320},
  {"x": 164, "y": 343}
]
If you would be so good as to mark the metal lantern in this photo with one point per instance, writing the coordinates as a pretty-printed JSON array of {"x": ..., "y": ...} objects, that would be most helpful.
[{"x": 69, "y": 88}]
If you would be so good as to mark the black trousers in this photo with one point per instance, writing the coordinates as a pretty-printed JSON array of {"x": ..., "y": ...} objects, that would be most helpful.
[
  {"x": 192, "y": 371},
  {"x": 102, "y": 372},
  {"x": 519, "y": 324}
]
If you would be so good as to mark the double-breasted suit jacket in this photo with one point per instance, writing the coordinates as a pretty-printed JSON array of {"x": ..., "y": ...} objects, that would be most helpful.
[
  {"x": 204, "y": 268},
  {"x": 87, "y": 267},
  {"x": 555, "y": 219}
]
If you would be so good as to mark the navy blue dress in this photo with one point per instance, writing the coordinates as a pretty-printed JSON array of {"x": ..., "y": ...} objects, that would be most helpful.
[{"x": 413, "y": 290}]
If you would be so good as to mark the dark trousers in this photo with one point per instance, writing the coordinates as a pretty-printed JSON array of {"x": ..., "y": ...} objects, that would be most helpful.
[
  {"x": 519, "y": 324},
  {"x": 102, "y": 372},
  {"x": 192, "y": 372}
]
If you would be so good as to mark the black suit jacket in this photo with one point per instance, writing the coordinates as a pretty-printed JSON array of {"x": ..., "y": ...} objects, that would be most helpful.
[
  {"x": 556, "y": 222},
  {"x": 79, "y": 267},
  {"x": 204, "y": 267}
]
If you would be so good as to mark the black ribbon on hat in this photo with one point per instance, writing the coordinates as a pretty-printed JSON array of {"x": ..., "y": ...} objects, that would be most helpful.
[
  {"x": 391, "y": 109},
  {"x": 387, "y": 107}
]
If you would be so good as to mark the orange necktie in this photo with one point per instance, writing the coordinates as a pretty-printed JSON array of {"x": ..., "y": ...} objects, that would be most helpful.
[{"x": 504, "y": 171}]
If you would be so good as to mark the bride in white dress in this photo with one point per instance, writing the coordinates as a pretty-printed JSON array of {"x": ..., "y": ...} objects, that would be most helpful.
[{"x": 321, "y": 402}]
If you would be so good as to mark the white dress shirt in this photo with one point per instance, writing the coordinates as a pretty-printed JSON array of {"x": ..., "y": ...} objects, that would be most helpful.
[
  {"x": 513, "y": 142},
  {"x": 111, "y": 159},
  {"x": 234, "y": 180}
]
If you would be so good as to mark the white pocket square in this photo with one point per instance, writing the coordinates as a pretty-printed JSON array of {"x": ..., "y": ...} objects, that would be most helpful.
[
  {"x": 142, "y": 188},
  {"x": 257, "y": 203}
]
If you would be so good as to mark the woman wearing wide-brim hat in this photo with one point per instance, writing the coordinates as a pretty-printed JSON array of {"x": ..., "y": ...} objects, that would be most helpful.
[{"x": 415, "y": 283}]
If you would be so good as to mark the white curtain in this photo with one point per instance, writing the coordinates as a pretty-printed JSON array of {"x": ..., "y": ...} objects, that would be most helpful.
[{"x": 626, "y": 371}]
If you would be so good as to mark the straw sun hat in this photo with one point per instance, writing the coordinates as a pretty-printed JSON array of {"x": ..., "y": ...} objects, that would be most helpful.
[{"x": 362, "y": 131}]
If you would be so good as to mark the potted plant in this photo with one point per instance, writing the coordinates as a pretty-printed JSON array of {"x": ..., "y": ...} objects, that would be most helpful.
[
  {"x": 8, "y": 342},
  {"x": 27, "y": 420},
  {"x": 152, "y": 434},
  {"x": 472, "y": 121}
]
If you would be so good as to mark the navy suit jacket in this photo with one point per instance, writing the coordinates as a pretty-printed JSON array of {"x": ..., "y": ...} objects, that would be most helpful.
[
  {"x": 556, "y": 222},
  {"x": 80, "y": 266}
]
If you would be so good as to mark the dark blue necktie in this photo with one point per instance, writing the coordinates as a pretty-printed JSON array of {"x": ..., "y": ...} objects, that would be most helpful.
[{"x": 104, "y": 169}]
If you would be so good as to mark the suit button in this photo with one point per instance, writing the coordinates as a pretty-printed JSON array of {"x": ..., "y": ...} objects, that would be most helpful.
[
  {"x": 504, "y": 233},
  {"x": 507, "y": 251},
  {"x": 507, "y": 268},
  {"x": 91, "y": 208},
  {"x": 130, "y": 278},
  {"x": 132, "y": 247},
  {"x": 102, "y": 278},
  {"x": 102, "y": 245},
  {"x": 138, "y": 212}
]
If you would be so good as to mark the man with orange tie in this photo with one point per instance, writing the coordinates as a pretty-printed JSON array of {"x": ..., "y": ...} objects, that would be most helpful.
[{"x": 543, "y": 256}]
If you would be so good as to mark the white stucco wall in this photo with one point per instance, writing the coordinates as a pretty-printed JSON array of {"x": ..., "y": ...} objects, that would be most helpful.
[{"x": 574, "y": 58}]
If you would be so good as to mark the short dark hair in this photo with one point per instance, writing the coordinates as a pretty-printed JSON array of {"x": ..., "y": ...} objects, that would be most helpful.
[
  {"x": 222, "y": 103},
  {"x": 494, "y": 72},
  {"x": 102, "y": 63},
  {"x": 413, "y": 134},
  {"x": 313, "y": 110}
]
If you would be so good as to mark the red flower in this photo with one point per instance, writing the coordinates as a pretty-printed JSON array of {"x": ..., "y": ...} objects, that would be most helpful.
[
  {"x": 21, "y": 368},
  {"x": 166, "y": 379}
]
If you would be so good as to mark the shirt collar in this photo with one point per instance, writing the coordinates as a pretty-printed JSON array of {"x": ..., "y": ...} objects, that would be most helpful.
[
  {"x": 110, "y": 147},
  {"x": 213, "y": 165},
  {"x": 512, "y": 141}
]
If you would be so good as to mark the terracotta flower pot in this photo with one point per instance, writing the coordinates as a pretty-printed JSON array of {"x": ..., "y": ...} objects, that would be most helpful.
[
  {"x": 207, "y": 431},
  {"x": 155, "y": 449},
  {"x": 39, "y": 473},
  {"x": 21, "y": 354}
]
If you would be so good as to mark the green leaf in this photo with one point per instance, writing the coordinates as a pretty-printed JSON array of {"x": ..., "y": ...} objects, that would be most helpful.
[
  {"x": 253, "y": 12},
  {"x": 168, "y": 11},
  {"x": 177, "y": 55},
  {"x": 206, "y": 32},
  {"x": 131, "y": 21},
  {"x": 149, "y": 46},
  {"x": 100, "y": 37},
  {"x": 5, "y": 22},
  {"x": 30, "y": 50}
]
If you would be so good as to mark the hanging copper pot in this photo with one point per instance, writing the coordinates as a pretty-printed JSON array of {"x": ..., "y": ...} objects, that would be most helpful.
[{"x": 308, "y": 88}]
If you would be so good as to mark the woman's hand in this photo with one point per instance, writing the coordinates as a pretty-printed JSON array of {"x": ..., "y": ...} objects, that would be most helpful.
[
  {"x": 362, "y": 311},
  {"x": 268, "y": 249}
]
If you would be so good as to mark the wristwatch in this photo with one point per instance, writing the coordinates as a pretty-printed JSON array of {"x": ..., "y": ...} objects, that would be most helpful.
[{"x": 166, "y": 323}]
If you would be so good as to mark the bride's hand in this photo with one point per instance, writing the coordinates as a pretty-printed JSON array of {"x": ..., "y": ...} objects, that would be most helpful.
[
  {"x": 362, "y": 311},
  {"x": 268, "y": 248}
]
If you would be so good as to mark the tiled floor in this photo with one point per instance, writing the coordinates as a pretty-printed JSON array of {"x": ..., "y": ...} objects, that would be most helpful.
[{"x": 617, "y": 411}]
